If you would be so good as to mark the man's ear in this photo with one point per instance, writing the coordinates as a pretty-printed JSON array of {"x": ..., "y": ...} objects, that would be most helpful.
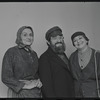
[{"x": 48, "y": 42}]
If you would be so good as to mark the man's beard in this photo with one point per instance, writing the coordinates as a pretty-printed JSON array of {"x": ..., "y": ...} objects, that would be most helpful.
[{"x": 58, "y": 49}]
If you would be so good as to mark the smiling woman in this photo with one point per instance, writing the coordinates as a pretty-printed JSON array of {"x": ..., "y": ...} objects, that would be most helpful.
[
  {"x": 27, "y": 36},
  {"x": 20, "y": 67},
  {"x": 83, "y": 67}
]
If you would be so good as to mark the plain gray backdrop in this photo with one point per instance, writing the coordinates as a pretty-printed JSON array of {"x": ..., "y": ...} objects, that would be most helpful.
[{"x": 70, "y": 16}]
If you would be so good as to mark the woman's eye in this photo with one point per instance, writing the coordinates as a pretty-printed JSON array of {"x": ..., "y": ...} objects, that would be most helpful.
[
  {"x": 25, "y": 34},
  {"x": 31, "y": 34}
]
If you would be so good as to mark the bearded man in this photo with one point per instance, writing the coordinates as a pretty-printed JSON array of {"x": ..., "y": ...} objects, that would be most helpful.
[{"x": 54, "y": 69}]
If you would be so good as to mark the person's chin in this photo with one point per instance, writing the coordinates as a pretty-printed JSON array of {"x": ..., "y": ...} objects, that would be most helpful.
[
  {"x": 79, "y": 47},
  {"x": 28, "y": 44}
]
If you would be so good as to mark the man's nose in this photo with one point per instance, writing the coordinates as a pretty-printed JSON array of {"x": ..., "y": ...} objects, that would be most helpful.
[{"x": 59, "y": 40}]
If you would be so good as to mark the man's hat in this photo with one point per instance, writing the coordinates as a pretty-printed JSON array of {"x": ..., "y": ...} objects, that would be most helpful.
[{"x": 52, "y": 32}]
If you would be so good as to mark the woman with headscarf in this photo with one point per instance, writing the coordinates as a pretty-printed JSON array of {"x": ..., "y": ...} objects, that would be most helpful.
[
  {"x": 85, "y": 67},
  {"x": 20, "y": 67}
]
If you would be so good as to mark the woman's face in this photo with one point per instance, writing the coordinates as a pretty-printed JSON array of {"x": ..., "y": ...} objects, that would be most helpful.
[
  {"x": 80, "y": 42},
  {"x": 27, "y": 36}
]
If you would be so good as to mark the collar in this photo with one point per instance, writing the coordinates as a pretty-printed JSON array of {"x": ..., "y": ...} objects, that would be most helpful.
[{"x": 27, "y": 48}]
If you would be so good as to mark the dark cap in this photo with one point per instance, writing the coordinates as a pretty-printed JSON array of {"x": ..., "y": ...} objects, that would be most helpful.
[
  {"x": 52, "y": 32},
  {"x": 77, "y": 34}
]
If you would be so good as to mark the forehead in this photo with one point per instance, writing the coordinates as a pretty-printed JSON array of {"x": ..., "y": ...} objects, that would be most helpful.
[
  {"x": 56, "y": 36},
  {"x": 78, "y": 37},
  {"x": 27, "y": 30}
]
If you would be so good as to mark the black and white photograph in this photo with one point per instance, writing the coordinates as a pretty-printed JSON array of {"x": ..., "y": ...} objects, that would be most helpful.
[{"x": 49, "y": 50}]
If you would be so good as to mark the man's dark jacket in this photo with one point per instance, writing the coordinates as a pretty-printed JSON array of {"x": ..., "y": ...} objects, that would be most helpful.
[{"x": 55, "y": 76}]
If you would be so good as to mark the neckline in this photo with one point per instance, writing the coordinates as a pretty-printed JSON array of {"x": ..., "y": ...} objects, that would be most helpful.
[
  {"x": 88, "y": 62},
  {"x": 82, "y": 53}
]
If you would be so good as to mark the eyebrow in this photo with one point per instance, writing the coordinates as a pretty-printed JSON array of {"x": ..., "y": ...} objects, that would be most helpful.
[{"x": 26, "y": 32}]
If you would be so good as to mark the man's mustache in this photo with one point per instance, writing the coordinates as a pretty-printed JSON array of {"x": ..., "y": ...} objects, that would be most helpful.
[{"x": 58, "y": 43}]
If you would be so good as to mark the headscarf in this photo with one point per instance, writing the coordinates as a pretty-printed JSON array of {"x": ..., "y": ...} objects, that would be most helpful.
[{"x": 19, "y": 40}]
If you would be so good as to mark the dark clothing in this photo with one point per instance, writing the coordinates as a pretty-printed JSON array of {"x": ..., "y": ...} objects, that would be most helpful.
[
  {"x": 85, "y": 80},
  {"x": 19, "y": 64},
  {"x": 55, "y": 75},
  {"x": 30, "y": 93}
]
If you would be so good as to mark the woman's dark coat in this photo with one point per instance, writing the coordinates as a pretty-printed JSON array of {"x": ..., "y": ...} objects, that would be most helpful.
[
  {"x": 19, "y": 64},
  {"x": 55, "y": 76},
  {"x": 85, "y": 80}
]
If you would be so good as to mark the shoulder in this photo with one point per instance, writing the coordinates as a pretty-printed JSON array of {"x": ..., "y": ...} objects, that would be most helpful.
[
  {"x": 73, "y": 54},
  {"x": 34, "y": 52},
  {"x": 44, "y": 55},
  {"x": 9, "y": 54},
  {"x": 11, "y": 50},
  {"x": 97, "y": 53}
]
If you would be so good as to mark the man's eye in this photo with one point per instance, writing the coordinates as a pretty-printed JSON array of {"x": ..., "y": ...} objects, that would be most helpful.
[
  {"x": 74, "y": 41},
  {"x": 54, "y": 38},
  {"x": 80, "y": 37}
]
